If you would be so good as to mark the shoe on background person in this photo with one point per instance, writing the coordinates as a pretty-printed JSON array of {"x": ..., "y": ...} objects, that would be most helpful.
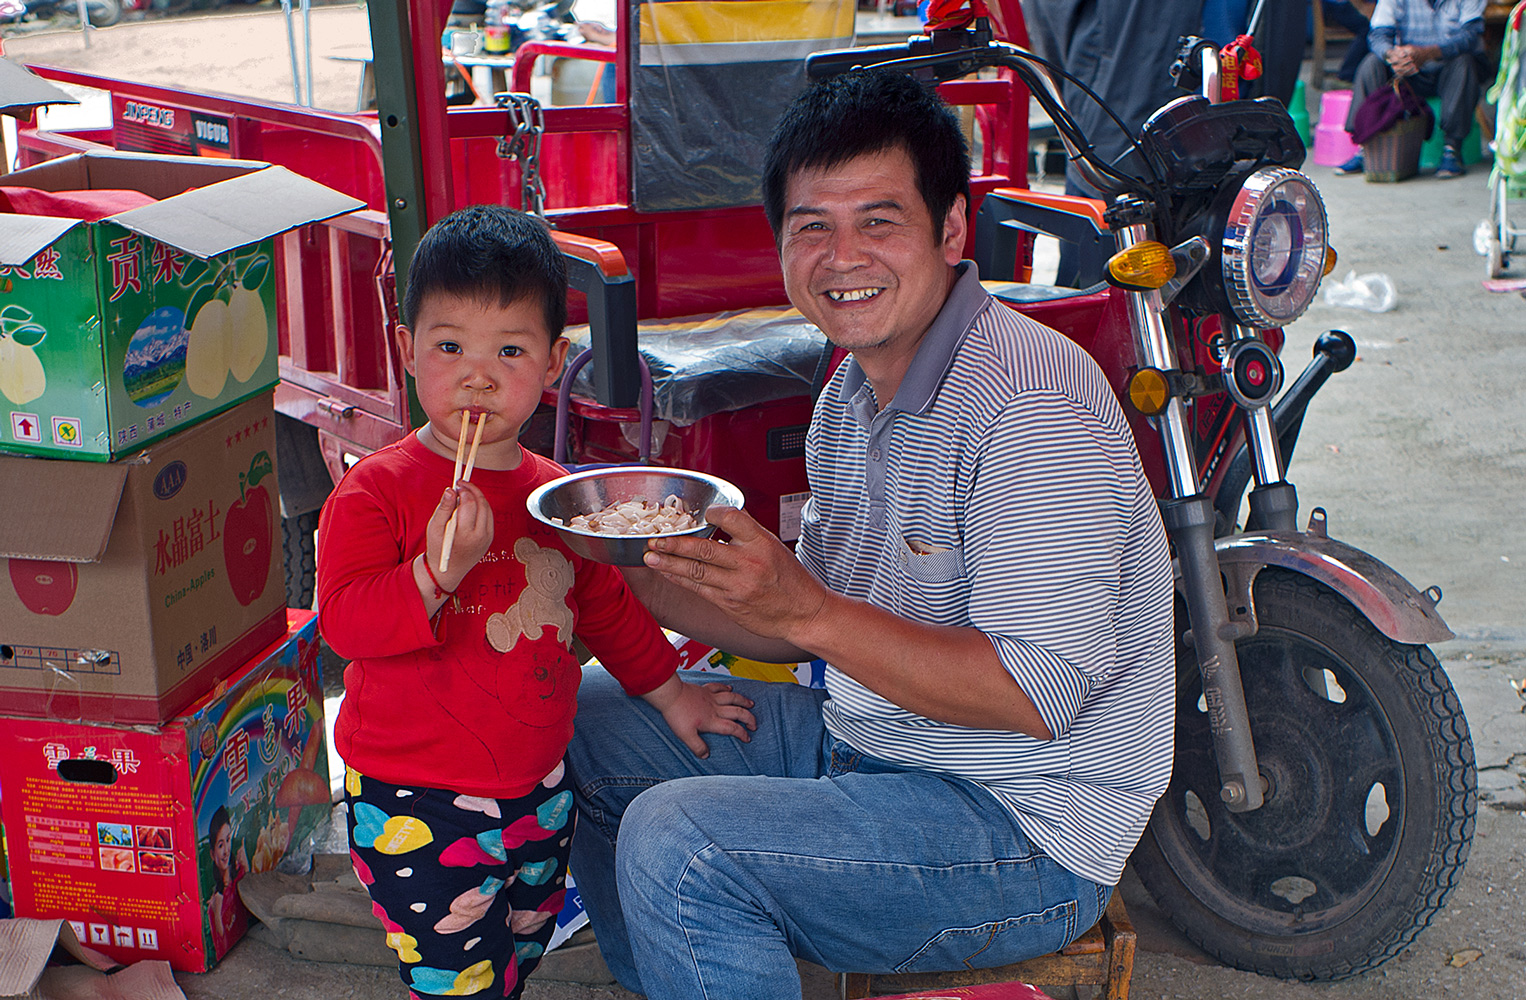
[
  {"x": 1451, "y": 164},
  {"x": 1352, "y": 166}
]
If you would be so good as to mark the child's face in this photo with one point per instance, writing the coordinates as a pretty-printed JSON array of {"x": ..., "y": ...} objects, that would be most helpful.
[{"x": 476, "y": 357}]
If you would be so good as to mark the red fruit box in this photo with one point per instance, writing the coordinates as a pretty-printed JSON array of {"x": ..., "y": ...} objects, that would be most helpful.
[
  {"x": 132, "y": 587},
  {"x": 138, "y": 836}
]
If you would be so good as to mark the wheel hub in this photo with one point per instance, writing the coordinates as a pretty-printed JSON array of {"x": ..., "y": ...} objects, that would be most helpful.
[{"x": 1310, "y": 855}]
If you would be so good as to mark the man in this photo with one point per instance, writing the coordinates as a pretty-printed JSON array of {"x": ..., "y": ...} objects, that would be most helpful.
[
  {"x": 981, "y": 565},
  {"x": 1437, "y": 47}
]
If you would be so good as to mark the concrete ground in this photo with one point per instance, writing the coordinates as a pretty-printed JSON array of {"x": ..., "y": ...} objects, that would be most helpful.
[{"x": 1418, "y": 452}]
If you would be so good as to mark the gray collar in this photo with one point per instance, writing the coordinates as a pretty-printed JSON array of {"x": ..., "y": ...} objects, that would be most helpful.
[{"x": 935, "y": 354}]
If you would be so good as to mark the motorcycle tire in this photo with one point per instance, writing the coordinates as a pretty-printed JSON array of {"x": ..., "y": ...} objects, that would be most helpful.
[
  {"x": 1371, "y": 792},
  {"x": 298, "y": 558}
]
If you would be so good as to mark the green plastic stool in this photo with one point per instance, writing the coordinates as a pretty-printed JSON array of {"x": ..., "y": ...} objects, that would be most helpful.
[
  {"x": 1430, "y": 153},
  {"x": 1299, "y": 111}
]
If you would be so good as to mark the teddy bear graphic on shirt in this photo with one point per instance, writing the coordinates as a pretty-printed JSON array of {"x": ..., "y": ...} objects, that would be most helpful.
[{"x": 542, "y": 604}]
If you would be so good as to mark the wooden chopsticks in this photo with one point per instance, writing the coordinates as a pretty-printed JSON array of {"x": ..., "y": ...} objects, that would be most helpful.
[{"x": 460, "y": 475}]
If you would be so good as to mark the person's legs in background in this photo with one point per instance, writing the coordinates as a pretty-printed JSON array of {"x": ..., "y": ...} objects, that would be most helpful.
[
  {"x": 1458, "y": 87},
  {"x": 1122, "y": 50},
  {"x": 1280, "y": 37}
]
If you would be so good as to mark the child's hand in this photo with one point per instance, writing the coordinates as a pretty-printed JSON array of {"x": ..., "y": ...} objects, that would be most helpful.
[
  {"x": 474, "y": 533},
  {"x": 691, "y": 709}
]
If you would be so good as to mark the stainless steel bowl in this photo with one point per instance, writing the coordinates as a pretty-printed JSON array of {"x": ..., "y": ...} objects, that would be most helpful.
[{"x": 594, "y": 489}]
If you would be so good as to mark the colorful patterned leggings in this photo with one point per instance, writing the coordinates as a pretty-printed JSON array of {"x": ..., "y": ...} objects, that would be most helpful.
[{"x": 468, "y": 888}]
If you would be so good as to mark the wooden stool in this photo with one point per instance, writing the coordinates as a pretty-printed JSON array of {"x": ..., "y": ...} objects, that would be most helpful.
[{"x": 1103, "y": 956}]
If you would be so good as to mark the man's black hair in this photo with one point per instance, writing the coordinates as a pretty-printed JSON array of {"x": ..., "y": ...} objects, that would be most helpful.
[
  {"x": 861, "y": 113},
  {"x": 493, "y": 254}
]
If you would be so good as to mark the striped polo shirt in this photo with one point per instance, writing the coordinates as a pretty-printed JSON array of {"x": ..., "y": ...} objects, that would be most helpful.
[{"x": 1000, "y": 490}]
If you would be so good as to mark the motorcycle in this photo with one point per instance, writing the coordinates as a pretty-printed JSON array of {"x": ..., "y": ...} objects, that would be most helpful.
[{"x": 1323, "y": 797}]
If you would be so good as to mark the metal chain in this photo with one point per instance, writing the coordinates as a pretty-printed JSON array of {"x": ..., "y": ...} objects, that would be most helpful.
[{"x": 527, "y": 125}]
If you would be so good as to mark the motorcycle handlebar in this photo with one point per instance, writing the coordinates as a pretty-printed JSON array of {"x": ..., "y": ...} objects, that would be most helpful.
[
  {"x": 820, "y": 65},
  {"x": 921, "y": 54}
]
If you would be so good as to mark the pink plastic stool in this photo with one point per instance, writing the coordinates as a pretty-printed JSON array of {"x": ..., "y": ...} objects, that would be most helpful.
[{"x": 1332, "y": 143}]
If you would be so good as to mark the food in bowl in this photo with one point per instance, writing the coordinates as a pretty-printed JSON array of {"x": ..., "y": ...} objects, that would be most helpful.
[
  {"x": 595, "y": 490},
  {"x": 636, "y": 517}
]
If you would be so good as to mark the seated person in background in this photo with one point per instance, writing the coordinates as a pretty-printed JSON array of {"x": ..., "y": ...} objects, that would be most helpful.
[{"x": 1436, "y": 46}]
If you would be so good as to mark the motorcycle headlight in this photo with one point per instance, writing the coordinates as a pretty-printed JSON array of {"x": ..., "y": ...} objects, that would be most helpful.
[{"x": 1274, "y": 247}]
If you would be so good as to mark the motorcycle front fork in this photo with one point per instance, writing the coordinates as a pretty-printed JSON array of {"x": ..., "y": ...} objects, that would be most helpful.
[{"x": 1188, "y": 514}]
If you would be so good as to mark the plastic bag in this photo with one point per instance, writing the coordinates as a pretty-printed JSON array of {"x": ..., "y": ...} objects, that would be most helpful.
[
  {"x": 1482, "y": 234},
  {"x": 1373, "y": 292}
]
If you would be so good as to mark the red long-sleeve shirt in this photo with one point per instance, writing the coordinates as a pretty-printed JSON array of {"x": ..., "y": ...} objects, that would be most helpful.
[{"x": 480, "y": 700}]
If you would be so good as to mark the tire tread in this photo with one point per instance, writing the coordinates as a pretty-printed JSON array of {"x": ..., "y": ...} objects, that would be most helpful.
[{"x": 1437, "y": 706}]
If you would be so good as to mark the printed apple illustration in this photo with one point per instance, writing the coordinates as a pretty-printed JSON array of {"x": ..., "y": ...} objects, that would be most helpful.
[
  {"x": 249, "y": 534},
  {"x": 249, "y": 338},
  {"x": 206, "y": 352},
  {"x": 44, "y": 586},
  {"x": 22, "y": 378}
]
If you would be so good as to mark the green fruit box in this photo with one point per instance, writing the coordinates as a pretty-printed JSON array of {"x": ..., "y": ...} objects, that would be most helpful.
[
  {"x": 131, "y": 588},
  {"x": 138, "y": 836},
  {"x": 118, "y": 332}
]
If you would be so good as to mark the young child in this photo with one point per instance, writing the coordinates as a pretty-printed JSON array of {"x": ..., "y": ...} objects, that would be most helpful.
[{"x": 461, "y": 690}]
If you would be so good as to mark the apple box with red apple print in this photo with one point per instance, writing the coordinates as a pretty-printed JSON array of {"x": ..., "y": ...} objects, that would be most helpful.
[
  {"x": 139, "y": 835},
  {"x": 132, "y": 587}
]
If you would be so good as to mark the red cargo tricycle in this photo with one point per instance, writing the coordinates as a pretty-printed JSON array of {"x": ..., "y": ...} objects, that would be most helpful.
[{"x": 1323, "y": 796}]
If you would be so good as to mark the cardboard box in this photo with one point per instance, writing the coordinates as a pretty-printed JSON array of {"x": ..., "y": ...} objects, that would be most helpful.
[
  {"x": 696, "y": 655},
  {"x": 112, "y": 827},
  {"x": 116, "y": 333},
  {"x": 134, "y": 586}
]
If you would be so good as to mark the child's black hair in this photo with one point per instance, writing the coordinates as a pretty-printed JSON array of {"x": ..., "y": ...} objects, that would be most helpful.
[
  {"x": 493, "y": 254},
  {"x": 861, "y": 113}
]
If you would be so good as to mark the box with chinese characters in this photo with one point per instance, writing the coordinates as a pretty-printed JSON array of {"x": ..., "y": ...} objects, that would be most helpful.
[
  {"x": 132, "y": 587},
  {"x": 138, "y": 836},
  {"x": 698, "y": 656},
  {"x": 138, "y": 294}
]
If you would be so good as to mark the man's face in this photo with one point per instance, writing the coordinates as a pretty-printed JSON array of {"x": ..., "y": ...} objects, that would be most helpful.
[{"x": 863, "y": 258}]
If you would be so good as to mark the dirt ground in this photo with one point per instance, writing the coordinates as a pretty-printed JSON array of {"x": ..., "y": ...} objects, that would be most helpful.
[
  {"x": 1419, "y": 452},
  {"x": 240, "y": 50}
]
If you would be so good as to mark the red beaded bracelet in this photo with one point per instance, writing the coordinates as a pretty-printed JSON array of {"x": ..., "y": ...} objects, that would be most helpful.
[{"x": 439, "y": 591}]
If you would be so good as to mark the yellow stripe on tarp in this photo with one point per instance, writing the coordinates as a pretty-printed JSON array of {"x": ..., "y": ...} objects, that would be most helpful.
[
  {"x": 721, "y": 53},
  {"x": 680, "y": 22}
]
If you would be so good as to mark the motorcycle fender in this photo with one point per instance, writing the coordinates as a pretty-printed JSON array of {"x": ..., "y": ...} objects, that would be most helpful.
[{"x": 1389, "y": 601}]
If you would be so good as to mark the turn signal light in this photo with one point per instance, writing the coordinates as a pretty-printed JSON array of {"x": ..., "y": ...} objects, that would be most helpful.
[
  {"x": 1330, "y": 258},
  {"x": 1149, "y": 392},
  {"x": 1142, "y": 267}
]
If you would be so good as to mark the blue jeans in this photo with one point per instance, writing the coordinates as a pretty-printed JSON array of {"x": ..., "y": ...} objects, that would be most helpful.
[{"x": 794, "y": 845}]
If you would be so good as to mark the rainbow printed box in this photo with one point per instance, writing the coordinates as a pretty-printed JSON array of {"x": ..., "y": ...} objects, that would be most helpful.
[
  {"x": 696, "y": 655},
  {"x": 138, "y": 836}
]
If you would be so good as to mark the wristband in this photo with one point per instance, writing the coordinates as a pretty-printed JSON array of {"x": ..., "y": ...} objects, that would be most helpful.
[{"x": 439, "y": 591}]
